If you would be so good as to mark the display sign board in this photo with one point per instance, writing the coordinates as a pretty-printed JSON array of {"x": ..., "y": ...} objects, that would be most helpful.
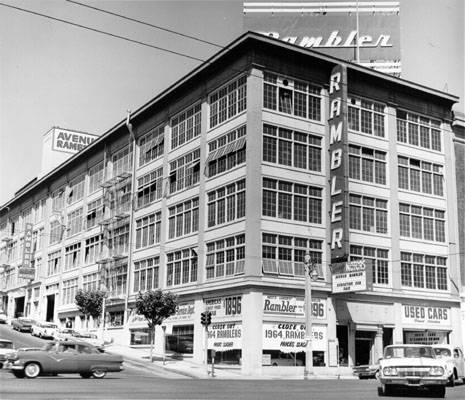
[
  {"x": 369, "y": 32},
  {"x": 289, "y": 337},
  {"x": 352, "y": 276},
  {"x": 25, "y": 270},
  {"x": 293, "y": 306},
  {"x": 224, "y": 306},
  {"x": 426, "y": 337},
  {"x": 184, "y": 312},
  {"x": 71, "y": 141},
  {"x": 417, "y": 314},
  {"x": 225, "y": 336}
]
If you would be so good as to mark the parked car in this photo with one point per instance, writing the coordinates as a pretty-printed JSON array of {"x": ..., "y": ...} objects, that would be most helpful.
[
  {"x": 412, "y": 366},
  {"x": 22, "y": 324},
  {"x": 6, "y": 347},
  {"x": 91, "y": 338},
  {"x": 453, "y": 356},
  {"x": 367, "y": 371},
  {"x": 286, "y": 360},
  {"x": 3, "y": 317},
  {"x": 64, "y": 357},
  {"x": 63, "y": 333},
  {"x": 44, "y": 330}
]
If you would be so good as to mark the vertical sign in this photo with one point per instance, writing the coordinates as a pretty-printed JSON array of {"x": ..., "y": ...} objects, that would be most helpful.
[
  {"x": 25, "y": 270},
  {"x": 337, "y": 123}
]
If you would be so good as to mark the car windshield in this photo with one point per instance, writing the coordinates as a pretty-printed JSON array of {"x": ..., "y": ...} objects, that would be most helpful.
[
  {"x": 408, "y": 352},
  {"x": 25, "y": 320},
  {"x": 49, "y": 326},
  {"x": 6, "y": 345},
  {"x": 442, "y": 352}
]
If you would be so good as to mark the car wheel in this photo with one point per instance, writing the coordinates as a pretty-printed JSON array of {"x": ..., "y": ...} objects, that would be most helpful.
[
  {"x": 85, "y": 375},
  {"x": 99, "y": 373},
  {"x": 32, "y": 370},
  {"x": 439, "y": 391},
  {"x": 451, "y": 381},
  {"x": 18, "y": 374},
  {"x": 275, "y": 364},
  {"x": 388, "y": 390}
]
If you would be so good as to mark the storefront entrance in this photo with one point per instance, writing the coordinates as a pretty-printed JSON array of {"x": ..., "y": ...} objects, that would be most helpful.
[
  {"x": 19, "y": 307},
  {"x": 363, "y": 351},
  {"x": 50, "y": 307}
]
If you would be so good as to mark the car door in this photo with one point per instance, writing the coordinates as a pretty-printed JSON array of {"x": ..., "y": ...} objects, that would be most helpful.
[
  {"x": 64, "y": 358},
  {"x": 459, "y": 362}
]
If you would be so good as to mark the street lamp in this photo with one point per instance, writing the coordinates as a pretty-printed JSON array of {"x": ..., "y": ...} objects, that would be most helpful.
[{"x": 311, "y": 274}]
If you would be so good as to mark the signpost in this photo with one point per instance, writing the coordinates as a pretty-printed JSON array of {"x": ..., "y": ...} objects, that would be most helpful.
[{"x": 352, "y": 276}]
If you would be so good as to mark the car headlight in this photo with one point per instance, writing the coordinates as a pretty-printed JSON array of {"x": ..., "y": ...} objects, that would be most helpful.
[
  {"x": 436, "y": 371},
  {"x": 390, "y": 371}
]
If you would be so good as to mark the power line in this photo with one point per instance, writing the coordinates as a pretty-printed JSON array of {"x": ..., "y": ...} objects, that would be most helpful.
[
  {"x": 103, "y": 32},
  {"x": 145, "y": 23}
]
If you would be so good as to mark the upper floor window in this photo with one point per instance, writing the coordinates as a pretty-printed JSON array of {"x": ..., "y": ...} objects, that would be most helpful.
[
  {"x": 368, "y": 214},
  {"x": 423, "y": 271},
  {"x": 95, "y": 212},
  {"x": 366, "y": 116},
  {"x": 420, "y": 176},
  {"x": 367, "y": 165},
  {"x": 422, "y": 223},
  {"x": 149, "y": 187},
  {"x": 226, "y": 152},
  {"x": 185, "y": 126},
  {"x": 225, "y": 257},
  {"x": 54, "y": 263},
  {"x": 183, "y": 218},
  {"x": 27, "y": 217},
  {"x": 146, "y": 274},
  {"x": 90, "y": 282},
  {"x": 418, "y": 131},
  {"x": 58, "y": 200},
  {"x": 228, "y": 101},
  {"x": 75, "y": 222},
  {"x": 379, "y": 258},
  {"x": 93, "y": 249},
  {"x": 76, "y": 189},
  {"x": 226, "y": 203},
  {"x": 182, "y": 267},
  {"x": 151, "y": 145},
  {"x": 69, "y": 290},
  {"x": 72, "y": 256},
  {"x": 291, "y": 97},
  {"x": 291, "y": 148},
  {"x": 185, "y": 171},
  {"x": 119, "y": 239},
  {"x": 56, "y": 231},
  {"x": 148, "y": 230},
  {"x": 122, "y": 161},
  {"x": 96, "y": 177}
]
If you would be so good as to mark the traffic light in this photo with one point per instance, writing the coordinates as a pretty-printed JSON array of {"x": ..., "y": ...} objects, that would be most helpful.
[
  {"x": 209, "y": 317},
  {"x": 203, "y": 318}
]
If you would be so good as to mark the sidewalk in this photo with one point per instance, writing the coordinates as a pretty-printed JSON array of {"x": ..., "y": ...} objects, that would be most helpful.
[{"x": 189, "y": 369}]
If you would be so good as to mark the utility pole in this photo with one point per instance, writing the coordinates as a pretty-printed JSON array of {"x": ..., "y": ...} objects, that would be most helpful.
[{"x": 310, "y": 274}]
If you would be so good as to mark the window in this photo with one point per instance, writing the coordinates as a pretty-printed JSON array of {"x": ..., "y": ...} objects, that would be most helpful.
[
  {"x": 291, "y": 148},
  {"x": 185, "y": 171},
  {"x": 122, "y": 161},
  {"x": 54, "y": 263},
  {"x": 368, "y": 214},
  {"x": 95, "y": 213},
  {"x": 183, "y": 218},
  {"x": 151, "y": 145},
  {"x": 423, "y": 271},
  {"x": 181, "y": 267},
  {"x": 285, "y": 255},
  {"x": 366, "y": 116},
  {"x": 76, "y": 189},
  {"x": 379, "y": 259},
  {"x": 96, "y": 177},
  {"x": 93, "y": 250},
  {"x": 69, "y": 290},
  {"x": 226, "y": 152},
  {"x": 293, "y": 97},
  {"x": 72, "y": 255},
  {"x": 149, "y": 188},
  {"x": 58, "y": 200},
  {"x": 75, "y": 222},
  {"x": 120, "y": 199},
  {"x": 228, "y": 101},
  {"x": 148, "y": 230},
  {"x": 418, "y": 131},
  {"x": 146, "y": 274},
  {"x": 292, "y": 201},
  {"x": 27, "y": 217},
  {"x": 90, "y": 282},
  {"x": 225, "y": 257},
  {"x": 367, "y": 165},
  {"x": 119, "y": 239},
  {"x": 116, "y": 279},
  {"x": 226, "y": 204},
  {"x": 422, "y": 223},
  {"x": 56, "y": 232},
  {"x": 39, "y": 210},
  {"x": 420, "y": 176},
  {"x": 185, "y": 126}
]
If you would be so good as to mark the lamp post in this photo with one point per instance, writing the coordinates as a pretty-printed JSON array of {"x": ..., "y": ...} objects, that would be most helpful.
[{"x": 310, "y": 274}]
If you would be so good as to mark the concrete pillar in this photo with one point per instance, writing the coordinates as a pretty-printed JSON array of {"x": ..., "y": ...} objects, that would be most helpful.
[
  {"x": 252, "y": 332},
  {"x": 378, "y": 345},
  {"x": 397, "y": 334},
  {"x": 351, "y": 344},
  {"x": 199, "y": 333}
]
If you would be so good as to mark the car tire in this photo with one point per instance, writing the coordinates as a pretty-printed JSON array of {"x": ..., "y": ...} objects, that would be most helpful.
[
  {"x": 439, "y": 391},
  {"x": 388, "y": 390},
  {"x": 18, "y": 374},
  {"x": 32, "y": 370},
  {"x": 86, "y": 375},
  {"x": 99, "y": 373}
]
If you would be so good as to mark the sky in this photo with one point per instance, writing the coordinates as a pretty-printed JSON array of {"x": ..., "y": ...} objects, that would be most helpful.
[{"x": 54, "y": 74}]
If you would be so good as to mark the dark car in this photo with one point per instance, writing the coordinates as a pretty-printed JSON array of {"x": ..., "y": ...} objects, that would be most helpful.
[
  {"x": 22, "y": 324},
  {"x": 64, "y": 357},
  {"x": 367, "y": 371},
  {"x": 6, "y": 347}
]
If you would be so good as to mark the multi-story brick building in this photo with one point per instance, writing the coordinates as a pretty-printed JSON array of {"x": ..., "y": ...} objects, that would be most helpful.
[{"x": 228, "y": 178}]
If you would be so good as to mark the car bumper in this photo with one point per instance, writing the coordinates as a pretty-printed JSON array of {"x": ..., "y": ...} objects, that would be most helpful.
[
  {"x": 365, "y": 374},
  {"x": 413, "y": 381}
]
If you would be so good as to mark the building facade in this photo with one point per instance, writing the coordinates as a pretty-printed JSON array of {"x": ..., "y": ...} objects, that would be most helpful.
[{"x": 217, "y": 189}]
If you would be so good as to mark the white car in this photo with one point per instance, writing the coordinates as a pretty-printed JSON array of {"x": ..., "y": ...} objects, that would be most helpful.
[
  {"x": 412, "y": 365},
  {"x": 6, "y": 347},
  {"x": 92, "y": 339},
  {"x": 453, "y": 356},
  {"x": 44, "y": 330},
  {"x": 63, "y": 333}
]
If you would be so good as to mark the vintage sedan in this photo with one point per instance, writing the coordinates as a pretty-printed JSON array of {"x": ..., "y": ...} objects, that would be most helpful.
[
  {"x": 366, "y": 371},
  {"x": 6, "y": 347},
  {"x": 455, "y": 363},
  {"x": 44, "y": 330},
  {"x": 412, "y": 365},
  {"x": 64, "y": 357},
  {"x": 22, "y": 324}
]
